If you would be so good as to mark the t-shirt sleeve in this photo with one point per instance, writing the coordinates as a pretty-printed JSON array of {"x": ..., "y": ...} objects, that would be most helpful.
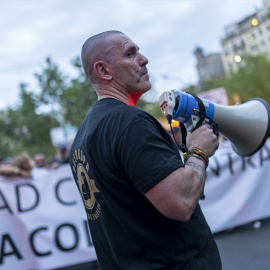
[{"x": 146, "y": 155}]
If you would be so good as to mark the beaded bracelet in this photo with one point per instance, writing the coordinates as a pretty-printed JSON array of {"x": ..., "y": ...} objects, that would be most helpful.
[
  {"x": 198, "y": 150},
  {"x": 198, "y": 153}
]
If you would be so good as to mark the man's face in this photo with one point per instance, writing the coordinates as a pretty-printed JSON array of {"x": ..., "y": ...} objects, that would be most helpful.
[
  {"x": 128, "y": 65},
  {"x": 40, "y": 161}
]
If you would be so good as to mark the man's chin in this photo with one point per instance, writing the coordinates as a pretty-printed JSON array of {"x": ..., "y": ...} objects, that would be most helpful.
[
  {"x": 147, "y": 83},
  {"x": 142, "y": 87},
  {"x": 147, "y": 86}
]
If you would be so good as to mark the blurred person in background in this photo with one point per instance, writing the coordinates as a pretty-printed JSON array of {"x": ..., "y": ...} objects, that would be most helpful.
[
  {"x": 40, "y": 166},
  {"x": 21, "y": 166},
  {"x": 64, "y": 155},
  {"x": 7, "y": 160},
  {"x": 65, "y": 152},
  {"x": 141, "y": 200},
  {"x": 40, "y": 160}
]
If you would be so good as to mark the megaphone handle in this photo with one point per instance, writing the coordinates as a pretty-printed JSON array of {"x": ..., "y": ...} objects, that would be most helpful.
[
  {"x": 203, "y": 120},
  {"x": 215, "y": 128},
  {"x": 199, "y": 123},
  {"x": 183, "y": 146}
]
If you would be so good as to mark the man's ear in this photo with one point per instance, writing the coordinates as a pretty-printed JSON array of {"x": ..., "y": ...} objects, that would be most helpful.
[{"x": 102, "y": 70}]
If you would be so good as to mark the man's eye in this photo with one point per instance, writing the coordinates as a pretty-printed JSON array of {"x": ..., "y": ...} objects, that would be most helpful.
[{"x": 129, "y": 54}]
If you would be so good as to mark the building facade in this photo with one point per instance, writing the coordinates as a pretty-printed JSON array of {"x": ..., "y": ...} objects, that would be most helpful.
[
  {"x": 209, "y": 67},
  {"x": 250, "y": 36}
]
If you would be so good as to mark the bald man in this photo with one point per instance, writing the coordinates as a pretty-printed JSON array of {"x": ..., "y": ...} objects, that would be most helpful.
[{"x": 141, "y": 200}]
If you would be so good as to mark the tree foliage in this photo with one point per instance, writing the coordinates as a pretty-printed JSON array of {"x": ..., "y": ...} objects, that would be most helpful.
[
  {"x": 64, "y": 99},
  {"x": 251, "y": 80},
  {"x": 60, "y": 100},
  {"x": 22, "y": 129},
  {"x": 68, "y": 98}
]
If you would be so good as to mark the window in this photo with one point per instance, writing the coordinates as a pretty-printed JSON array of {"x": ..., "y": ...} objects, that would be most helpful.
[
  {"x": 254, "y": 47},
  {"x": 249, "y": 37},
  {"x": 235, "y": 47}
]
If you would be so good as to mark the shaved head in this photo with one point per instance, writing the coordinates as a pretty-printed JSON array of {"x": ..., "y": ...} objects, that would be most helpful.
[
  {"x": 95, "y": 49},
  {"x": 115, "y": 67}
]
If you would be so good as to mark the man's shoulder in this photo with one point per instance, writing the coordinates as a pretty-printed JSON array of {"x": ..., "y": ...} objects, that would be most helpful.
[
  {"x": 113, "y": 117},
  {"x": 112, "y": 108}
]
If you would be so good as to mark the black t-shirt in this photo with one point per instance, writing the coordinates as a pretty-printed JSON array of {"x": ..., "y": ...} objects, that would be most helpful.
[{"x": 121, "y": 152}]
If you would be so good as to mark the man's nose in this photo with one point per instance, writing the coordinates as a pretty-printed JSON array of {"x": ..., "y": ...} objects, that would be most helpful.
[{"x": 142, "y": 59}]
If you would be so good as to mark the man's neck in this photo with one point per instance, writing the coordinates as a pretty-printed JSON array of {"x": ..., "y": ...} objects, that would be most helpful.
[
  {"x": 126, "y": 101},
  {"x": 116, "y": 94}
]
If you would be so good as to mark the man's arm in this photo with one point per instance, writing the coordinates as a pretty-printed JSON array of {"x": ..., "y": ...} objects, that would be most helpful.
[{"x": 177, "y": 195}]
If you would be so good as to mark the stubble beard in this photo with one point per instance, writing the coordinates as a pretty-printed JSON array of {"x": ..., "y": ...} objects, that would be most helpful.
[{"x": 141, "y": 85}]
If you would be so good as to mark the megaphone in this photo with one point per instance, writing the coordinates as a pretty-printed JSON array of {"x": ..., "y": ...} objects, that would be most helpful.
[{"x": 246, "y": 126}]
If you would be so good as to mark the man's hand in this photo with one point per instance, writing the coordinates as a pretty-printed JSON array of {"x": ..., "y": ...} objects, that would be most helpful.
[{"x": 203, "y": 138}]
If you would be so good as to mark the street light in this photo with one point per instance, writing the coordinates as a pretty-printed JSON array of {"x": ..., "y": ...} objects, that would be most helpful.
[
  {"x": 254, "y": 22},
  {"x": 237, "y": 58}
]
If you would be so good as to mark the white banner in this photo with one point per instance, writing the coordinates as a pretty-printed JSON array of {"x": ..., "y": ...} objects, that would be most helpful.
[
  {"x": 43, "y": 222},
  {"x": 237, "y": 189}
]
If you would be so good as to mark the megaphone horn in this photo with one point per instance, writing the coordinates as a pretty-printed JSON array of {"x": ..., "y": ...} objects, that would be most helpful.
[{"x": 246, "y": 126}]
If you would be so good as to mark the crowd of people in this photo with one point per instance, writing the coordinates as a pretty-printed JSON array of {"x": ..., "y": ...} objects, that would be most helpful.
[{"x": 23, "y": 165}]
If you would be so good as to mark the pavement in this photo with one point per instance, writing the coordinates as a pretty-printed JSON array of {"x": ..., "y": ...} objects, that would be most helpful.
[{"x": 246, "y": 247}]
